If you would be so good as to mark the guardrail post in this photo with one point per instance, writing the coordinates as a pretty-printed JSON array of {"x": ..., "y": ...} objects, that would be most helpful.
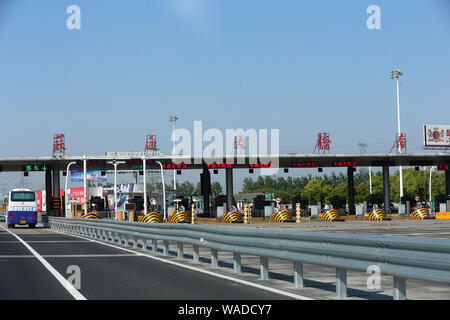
[
  {"x": 134, "y": 242},
  {"x": 180, "y": 249},
  {"x": 214, "y": 258},
  {"x": 112, "y": 237},
  {"x": 144, "y": 244},
  {"x": 399, "y": 288},
  {"x": 165, "y": 247},
  {"x": 341, "y": 283},
  {"x": 264, "y": 268},
  {"x": 154, "y": 245},
  {"x": 195, "y": 255},
  {"x": 126, "y": 240},
  {"x": 298, "y": 274},
  {"x": 237, "y": 262}
]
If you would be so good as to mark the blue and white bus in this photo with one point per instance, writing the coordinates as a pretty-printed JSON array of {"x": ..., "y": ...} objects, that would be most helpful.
[{"x": 22, "y": 208}]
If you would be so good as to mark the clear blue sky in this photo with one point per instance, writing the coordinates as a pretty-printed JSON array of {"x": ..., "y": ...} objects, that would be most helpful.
[{"x": 299, "y": 66}]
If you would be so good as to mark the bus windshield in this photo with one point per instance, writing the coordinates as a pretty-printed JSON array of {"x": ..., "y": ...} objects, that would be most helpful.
[{"x": 23, "y": 196}]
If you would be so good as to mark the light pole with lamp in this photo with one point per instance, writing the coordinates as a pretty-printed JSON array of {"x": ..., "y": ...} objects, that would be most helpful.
[
  {"x": 173, "y": 119},
  {"x": 85, "y": 200},
  {"x": 144, "y": 181},
  {"x": 164, "y": 188},
  {"x": 429, "y": 190},
  {"x": 115, "y": 164},
  {"x": 395, "y": 75},
  {"x": 65, "y": 190}
]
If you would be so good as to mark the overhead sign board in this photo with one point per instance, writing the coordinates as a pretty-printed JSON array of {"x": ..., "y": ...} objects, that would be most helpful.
[
  {"x": 436, "y": 136},
  {"x": 94, "y": 175}
]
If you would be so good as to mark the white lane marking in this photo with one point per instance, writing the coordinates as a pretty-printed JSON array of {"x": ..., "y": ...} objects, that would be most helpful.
[
  {"x": 91, "y": 255},
  {"x": 10, "y": 256},
  {"x": 43, "y": 241},
  {"x": 241, "y": 281},
  {"x": 66, "y": 284}
]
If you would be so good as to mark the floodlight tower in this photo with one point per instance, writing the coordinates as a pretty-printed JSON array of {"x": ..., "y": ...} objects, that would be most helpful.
[{"x": 395, "y": 75}]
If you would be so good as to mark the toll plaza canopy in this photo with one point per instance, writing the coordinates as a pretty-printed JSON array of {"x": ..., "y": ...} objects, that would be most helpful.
[{"x": 290, "y": 160}]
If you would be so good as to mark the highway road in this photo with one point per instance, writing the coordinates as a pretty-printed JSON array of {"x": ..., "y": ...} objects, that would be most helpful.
[
  {"x": 105, "y": 272},
  {"x": 35, "y": 263}
]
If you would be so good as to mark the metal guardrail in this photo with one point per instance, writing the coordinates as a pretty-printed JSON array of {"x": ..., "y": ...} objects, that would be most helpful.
[{"x": 397, "y": 256}]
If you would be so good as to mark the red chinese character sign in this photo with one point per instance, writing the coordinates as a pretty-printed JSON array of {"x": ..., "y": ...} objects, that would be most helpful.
[
  {"x": 239, "y": 143},
  {"x": 400, "y": 142},
  {"x": 323, "y": 143},
  {"x": 59, "y": 144},
  {"x": 150, "y": 144}
]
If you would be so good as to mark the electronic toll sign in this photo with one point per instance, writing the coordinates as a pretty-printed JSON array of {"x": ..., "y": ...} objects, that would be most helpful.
[
  {"x": 34, "y": 167},
  {"x": 304, "y": 164},
  {"x": 174, "y": 166},
  {"x": 345, "y": 163}
]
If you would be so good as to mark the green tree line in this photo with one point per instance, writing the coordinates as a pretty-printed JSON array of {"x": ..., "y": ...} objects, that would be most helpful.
[
  {"x": 187, "y": 189},
  {"x": 415, "y": 182}
]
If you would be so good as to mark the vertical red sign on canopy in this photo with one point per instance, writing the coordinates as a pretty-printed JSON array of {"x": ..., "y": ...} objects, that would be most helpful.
[
  {"x": 150, "y": 143},
  {"x": 323, "y": 143},
  {"x": 239, "y": 143},
  {"x": 401, "y": 141},
  {"x": 59, "y": 144}
]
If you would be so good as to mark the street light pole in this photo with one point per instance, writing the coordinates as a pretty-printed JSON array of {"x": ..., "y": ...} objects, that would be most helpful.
[
  {"x": 164, "y": 188},
  {"x": 115, "y": 164},
  {"x": 173, "y": 119},
  {"x": 85, "y": 184},
  {"x": 65, "y": 190},
  {"x": 429, "y": 186},
  {"x": 144, "y": 172},
  {"x": 395, "y": 75}
]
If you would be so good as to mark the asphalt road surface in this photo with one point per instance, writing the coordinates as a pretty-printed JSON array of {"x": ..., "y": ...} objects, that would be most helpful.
[
  {"x": 101, "y": 271},
  {"x": 38, "y": 264}
]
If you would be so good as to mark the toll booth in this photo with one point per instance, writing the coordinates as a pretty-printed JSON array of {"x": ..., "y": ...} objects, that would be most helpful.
[
  {"x": 373, "y": 201},
  {"x": 304, "y": 211},
  {"x": 408, "y": 203},
  {"x": 134, "y": 207},
  {"x": 442, "y": 203},
  {"x": 97, "y": 204},
  {"x": 262, "y": 208},
  {"x": 339, "y": 204},
  {"x": 220, "y": 205}
]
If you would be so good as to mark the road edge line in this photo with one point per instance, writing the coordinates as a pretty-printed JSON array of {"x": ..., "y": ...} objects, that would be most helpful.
[{"x": 65, "y": 283}]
